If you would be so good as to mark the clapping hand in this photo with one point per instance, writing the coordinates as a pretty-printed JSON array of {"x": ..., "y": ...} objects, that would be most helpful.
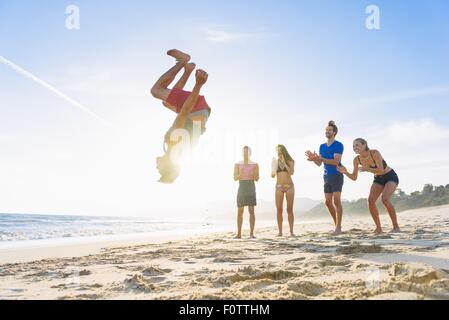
[
  {"x": 342, "y": 169},
  {"x": 312, "y": 156}
]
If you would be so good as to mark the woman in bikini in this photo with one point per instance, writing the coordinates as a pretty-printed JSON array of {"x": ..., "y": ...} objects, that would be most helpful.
[
  {"x": 246, "y": 173},
  {"x": 283, "y": 168},
  {"x": 385, "y": 181},
  {"x": 192, "y": 113}
]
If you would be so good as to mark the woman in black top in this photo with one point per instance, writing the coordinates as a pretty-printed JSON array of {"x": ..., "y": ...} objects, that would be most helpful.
[{"x": 385, "y": 181}]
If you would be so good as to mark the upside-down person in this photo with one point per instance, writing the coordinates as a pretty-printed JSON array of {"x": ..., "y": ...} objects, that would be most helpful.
[{"x": 192, "y": 113}]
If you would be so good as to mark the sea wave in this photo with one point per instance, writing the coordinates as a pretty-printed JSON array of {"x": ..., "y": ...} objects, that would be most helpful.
[{"x": 21, "y": 227}]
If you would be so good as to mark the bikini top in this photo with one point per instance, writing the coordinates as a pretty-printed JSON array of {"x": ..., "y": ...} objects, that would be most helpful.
[
  {"x": 384, "y": 163},
  {"x": 281, "y": 168}
]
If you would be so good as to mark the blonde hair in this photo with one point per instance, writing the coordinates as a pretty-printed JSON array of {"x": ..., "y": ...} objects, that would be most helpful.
[{"x": 362, "y": 141}]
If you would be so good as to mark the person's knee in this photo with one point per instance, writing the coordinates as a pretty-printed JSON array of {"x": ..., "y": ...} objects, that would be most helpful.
[
  {"x": 371, "y": 201},
  {"x": 385, "y": 200},
  {"x": 337, "y": 202},
  {"x": 280, "y": 210},
  {"x": 290, "y": 212},
  {"x": 328, "y": 203},
  {"x": 155, "y": 91}
]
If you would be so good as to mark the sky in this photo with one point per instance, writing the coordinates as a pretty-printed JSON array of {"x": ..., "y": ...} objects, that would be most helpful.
[{"x": 83, "y": 135}]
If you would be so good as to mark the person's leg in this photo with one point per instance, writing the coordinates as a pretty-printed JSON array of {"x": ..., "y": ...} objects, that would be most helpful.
[
  {"x": 187, "y": 107},
  {"x": 330, "y": 206},
  {"x": 339, "y": 209},
  {"x": 252, "y": 221},
  {"x": 375, "y": 192},
  {"x": 279, "y": 206},
  {"x": 160, "y": 88},
  {"x": 290, "y": 196},
  {"x": 239, "y": 222},
  {"x": 388, "y": 192},
  {"x": 188, "y": 69}
]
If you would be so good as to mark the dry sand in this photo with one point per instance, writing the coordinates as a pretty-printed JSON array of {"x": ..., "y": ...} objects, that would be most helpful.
[{"x": 314, "y": 265}]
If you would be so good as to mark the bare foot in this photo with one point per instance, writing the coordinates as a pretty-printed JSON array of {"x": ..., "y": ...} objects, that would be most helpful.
[
  {"x": 395, "y": 230},
  {"x": 337, "y": 232},
  {"x": 189, "y": 67},
  {"x": 279, "y": 235},
  {"x": 378, "y": 231},
  {"x": 201, "y": 77},
  {"x": 239, "y": 236},
  {"x": 179, "y": 55},
  {"x": 252, "y": 236},
  {"x": 292, "y": 235}
]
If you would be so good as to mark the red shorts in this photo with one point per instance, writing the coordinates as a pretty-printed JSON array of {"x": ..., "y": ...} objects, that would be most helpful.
[{"x": 177, "y": 97}]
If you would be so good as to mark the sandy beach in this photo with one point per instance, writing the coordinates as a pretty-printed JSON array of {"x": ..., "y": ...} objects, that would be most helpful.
[{"x": 413, "y": 264}]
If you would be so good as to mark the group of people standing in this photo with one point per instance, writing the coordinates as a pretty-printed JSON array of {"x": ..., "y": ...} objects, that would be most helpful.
[{"x": 330, "y": 156}]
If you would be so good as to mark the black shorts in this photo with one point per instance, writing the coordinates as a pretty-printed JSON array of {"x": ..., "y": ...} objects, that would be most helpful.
[
  {"x": 333, "y": 183},
  {"x": 391, "y": 176}
]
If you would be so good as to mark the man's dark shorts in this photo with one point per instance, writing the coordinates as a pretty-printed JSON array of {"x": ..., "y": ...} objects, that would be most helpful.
[{"x": 333, "y": 183}]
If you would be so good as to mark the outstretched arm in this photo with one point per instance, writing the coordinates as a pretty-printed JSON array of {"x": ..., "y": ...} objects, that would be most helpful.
[{"x": 355, "y": 171}]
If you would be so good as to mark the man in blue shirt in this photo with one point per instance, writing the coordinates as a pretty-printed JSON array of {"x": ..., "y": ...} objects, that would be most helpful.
[{"x": 330, "y": 155}]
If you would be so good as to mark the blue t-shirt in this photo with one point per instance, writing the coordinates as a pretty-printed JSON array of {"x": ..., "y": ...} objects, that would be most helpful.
[{"x": 327, "y": 152}]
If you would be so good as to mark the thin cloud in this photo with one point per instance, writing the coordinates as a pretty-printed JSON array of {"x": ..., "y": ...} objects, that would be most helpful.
[{"x": 221, "y": 36}]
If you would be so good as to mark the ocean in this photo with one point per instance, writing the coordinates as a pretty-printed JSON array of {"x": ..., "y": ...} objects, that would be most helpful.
[{"x": 29, "y": 228}]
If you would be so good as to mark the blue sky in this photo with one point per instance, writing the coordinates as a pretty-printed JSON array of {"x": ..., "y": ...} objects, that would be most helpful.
[{"x": 280, "y": 67}]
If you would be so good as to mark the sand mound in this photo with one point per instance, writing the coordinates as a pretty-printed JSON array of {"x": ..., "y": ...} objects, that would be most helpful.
[
  {"x": 257, "y": 285},
  {"x": 84, "y": 296},
  {"x": 420, "y": 279},
  {"x": 416, "y": 273},
  {"x": 306, "y": 288},
  {"x": 329, "y": 261},
  {"x": 249, "y": 273},
  {"x": 139, "y": 282},
  {"x": 85, "y": 272},
  {"x": 224, "y": 260},
  {"x": 359, "y": 249},
  {"x": 155, "y": 271}
]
